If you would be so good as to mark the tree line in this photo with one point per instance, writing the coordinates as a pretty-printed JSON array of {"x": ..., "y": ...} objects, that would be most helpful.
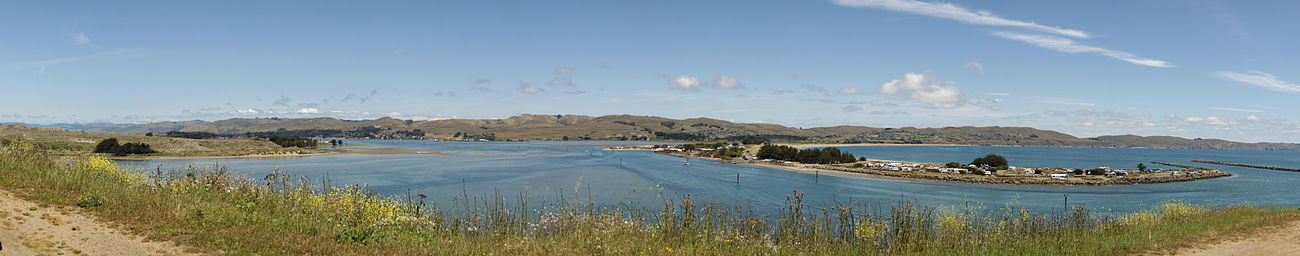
[
  {"x": 291, "y": 141},
  {"x": 110, "y": 145},
  {"x": 807, "y": 156}
]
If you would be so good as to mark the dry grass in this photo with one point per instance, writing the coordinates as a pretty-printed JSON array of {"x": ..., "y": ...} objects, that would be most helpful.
[{"x": 67, "y": 142}]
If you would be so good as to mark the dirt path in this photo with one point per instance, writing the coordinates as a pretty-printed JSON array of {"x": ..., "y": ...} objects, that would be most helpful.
[
  {"x": 1282, "y": 241},
  {"x": 26, "y": 228}
]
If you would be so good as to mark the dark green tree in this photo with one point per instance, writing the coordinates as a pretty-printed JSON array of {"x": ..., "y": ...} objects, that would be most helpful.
[
  {"x": 106, "y": 146},
  {"x": 992, "y": 160}
]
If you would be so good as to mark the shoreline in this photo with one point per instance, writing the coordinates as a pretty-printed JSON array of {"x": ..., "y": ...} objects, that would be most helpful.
[
  {"x": 319, "y": 152},
  {"x": 966, "y": 178},
  {"x": 824, "y": 145}
]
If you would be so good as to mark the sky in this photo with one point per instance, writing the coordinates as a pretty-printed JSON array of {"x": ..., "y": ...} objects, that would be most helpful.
[{"x": 1196, "y": 69}]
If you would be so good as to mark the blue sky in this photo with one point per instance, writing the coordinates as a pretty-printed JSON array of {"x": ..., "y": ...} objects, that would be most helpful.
[{"x": 1213, "y": 69}]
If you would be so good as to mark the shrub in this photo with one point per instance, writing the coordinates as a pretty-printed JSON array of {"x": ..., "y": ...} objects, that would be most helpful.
[
  {"x": 90, "y": 202},
  {"x": 357, "y": 235}
]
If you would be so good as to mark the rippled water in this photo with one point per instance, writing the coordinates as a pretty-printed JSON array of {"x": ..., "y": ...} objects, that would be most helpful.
[{"x": 544, "y": 170}]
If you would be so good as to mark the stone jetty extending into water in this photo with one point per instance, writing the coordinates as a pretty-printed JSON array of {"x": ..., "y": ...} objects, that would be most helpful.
[{"x": 1247, "y": 165}]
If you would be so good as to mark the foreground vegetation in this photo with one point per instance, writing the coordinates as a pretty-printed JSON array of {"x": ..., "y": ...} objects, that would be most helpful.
[{"x": 215, "y": 210}]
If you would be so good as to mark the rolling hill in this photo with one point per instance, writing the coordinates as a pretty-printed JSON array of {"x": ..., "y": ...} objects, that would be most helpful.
[{"x": 631, "y": 127}]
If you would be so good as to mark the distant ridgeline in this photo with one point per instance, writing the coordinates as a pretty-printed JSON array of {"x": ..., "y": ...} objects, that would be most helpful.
[{"x": 629, "y": 127}]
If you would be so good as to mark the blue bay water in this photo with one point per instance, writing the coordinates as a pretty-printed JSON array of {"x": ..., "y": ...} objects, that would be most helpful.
[{"x": 578, "y": 170}]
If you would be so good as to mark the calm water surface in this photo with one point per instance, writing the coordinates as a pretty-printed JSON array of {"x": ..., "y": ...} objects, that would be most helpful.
[{"x": 544, "y": 170}]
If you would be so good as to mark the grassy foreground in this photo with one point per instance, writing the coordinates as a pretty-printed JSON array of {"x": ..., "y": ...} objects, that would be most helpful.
[{"x": 216, "y": 211}]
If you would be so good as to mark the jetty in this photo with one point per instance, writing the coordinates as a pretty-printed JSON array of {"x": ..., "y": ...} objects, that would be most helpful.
[
  {"x": 1248, "y": 165},
  {"x": 1189, "y": 167}
]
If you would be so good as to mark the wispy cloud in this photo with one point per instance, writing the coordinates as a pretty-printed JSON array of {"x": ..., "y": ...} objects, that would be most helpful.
[
  {"x": 727, "y": 82},
  {"x": 1066, "y": 45},
  {"x": 283, "y": 101},
  {"x": 560, "y": 81},
  {"x": 526, "y": 88},
  {"x": 1237, "y": 109},
  {"x": 958, "y": 13},
  {"x": 308, "y": 111},
  {"x": 480, "y": 81},
  {"x": 1063, "y": 101},
  {"x": 815, "y": 88},
  {"x": 358, "y": 98},
  {"x": 1261, "y": 79},
  {"x": 562, "y": 70},
  {"x": 43, "y": 64},
  {"x": 79, "y": 38},
  {"x": 975, "y": 64}
]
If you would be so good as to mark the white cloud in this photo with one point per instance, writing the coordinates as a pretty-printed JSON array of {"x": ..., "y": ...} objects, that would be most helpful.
[
  {"x": 1260, "y": 79},
  {"x": 1253, "y": 118},
  {"x": 1066, "y": 45},
  {"x": 1237, "y": 109},
  {"x": 1212, "y": 120},
  {"x": 727, "y": 82},
  {"x": 526, "y": 88},
  {"x": 957, "y": 13},
  {"x": 975, "y": 64},
  {"x": 850, "y": 91},
  {"x": 308, "y": 110},
  {"x": 247, "y": 111},
  {"x": 79, "y": 38},
  {"x": 559, "y": 81},
  {"x": 927, "y": 87},
  {"x": 684, "y": 82}
]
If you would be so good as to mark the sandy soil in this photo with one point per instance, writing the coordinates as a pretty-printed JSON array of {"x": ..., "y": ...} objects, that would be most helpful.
[
  {"x": 26, "y": 228},
  {"x": 1281, "y": 241}
]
